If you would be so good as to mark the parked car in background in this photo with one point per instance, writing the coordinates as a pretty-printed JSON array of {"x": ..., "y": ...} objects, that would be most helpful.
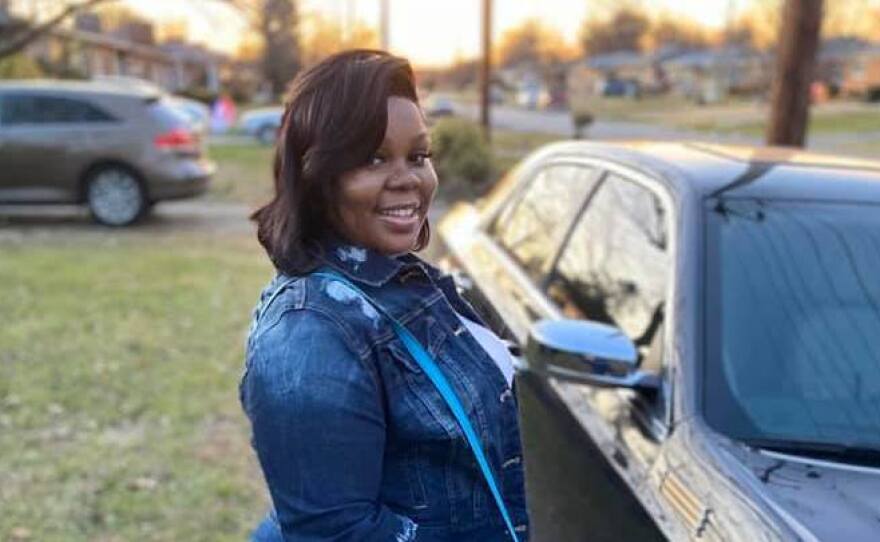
[
  {"x": 263, "y": 124},
  {"x": 622, "y": 88},
  {"x": 709, "y": 315},
  {"x": 197, "y": 113},
  {"x": 117, "y": 150},
  {"x": 438, "y": 106}
]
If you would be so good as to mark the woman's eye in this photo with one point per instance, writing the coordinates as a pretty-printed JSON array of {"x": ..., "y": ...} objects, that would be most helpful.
[
  {"x": 377, "y": 160},
  {"x": 421, "y": 157}
]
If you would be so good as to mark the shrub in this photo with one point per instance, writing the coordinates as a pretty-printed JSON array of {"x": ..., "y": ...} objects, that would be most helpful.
[
  {"x": 461, "y": 152},
  {"x": 19, "y": 66}
]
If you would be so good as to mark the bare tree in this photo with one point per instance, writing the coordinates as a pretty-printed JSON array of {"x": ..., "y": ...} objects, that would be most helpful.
[
  {"x": 623, "y": 31},
  {"x": 277, "y": 23},
  {"x": 16, "y": 35},
  {"x": 796, "y": 59}
]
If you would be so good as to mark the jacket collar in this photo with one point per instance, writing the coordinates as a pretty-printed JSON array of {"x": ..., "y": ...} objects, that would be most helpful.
[{"x": 358, "y": 263}]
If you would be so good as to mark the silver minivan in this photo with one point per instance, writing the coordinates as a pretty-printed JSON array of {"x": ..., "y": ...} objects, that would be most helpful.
[{"x": 116, "y": 150}]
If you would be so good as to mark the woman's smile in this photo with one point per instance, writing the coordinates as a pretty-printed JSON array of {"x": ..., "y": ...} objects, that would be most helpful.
[{"x": 402, "y": 218}]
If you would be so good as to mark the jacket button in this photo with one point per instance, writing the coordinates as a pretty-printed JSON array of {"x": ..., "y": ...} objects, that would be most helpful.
[{"x": 505, "y": 395}]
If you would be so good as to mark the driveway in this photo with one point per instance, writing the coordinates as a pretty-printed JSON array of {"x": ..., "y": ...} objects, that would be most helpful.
[{"x": 191, "y": 216}]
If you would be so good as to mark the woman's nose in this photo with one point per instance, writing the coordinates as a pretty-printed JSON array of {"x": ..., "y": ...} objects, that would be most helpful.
[{"x": 403, "y": 177}]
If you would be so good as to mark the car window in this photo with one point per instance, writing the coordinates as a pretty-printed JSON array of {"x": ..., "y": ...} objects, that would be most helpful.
[
  {"x": 18, "y": 109},
  {"x": 792, "y": 321},
  {"x": 614, "y": 267},
  {"x": 168, "y": 115},
  {"x": 534, "y": 223}
]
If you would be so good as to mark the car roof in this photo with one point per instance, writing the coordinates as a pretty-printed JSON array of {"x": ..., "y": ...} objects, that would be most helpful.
[
  {"x": 709, "y": 169},
  {"x": 75, "y": 87}
]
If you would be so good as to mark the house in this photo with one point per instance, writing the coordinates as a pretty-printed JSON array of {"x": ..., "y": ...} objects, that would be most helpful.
[
  {"x": 709, "y": 75},
  {"x": 836, "y": 57},
  {"x": 861, "y": 75},
  {"x": 632, "y": 73},
  {"x": 86, "y": 50},
  {"x": 589, "y": 76},
  {"x": 532, "y": 85}
]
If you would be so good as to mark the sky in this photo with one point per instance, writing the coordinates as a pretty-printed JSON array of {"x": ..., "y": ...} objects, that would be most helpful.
[{"x": 430, "y": 33}]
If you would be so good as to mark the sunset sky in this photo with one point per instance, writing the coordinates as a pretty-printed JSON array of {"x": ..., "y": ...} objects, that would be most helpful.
[{"x": 428, "y": 32}]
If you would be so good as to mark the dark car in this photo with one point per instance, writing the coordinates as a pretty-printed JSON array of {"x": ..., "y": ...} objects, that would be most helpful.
[
  {"x": 709, "y": 316},
  {"x": 624, "y": 88},
  {"x": 117, "y": 150}
]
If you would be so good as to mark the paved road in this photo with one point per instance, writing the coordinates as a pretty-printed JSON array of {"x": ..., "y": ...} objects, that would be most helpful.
[{"x": 559, "y": 123}]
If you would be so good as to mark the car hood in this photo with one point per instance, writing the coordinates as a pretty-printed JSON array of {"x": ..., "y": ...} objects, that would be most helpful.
[{"x": 819, "y": 500}]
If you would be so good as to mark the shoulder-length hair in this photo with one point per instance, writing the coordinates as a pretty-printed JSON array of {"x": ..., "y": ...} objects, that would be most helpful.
[{"x": 334, "y": 121}]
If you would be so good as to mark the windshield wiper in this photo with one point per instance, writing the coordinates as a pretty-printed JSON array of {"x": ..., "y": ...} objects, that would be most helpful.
[{"x": 855, "y": 453}]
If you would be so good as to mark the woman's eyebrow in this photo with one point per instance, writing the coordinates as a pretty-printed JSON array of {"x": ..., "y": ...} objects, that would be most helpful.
[{"x": 422, "y": 136}]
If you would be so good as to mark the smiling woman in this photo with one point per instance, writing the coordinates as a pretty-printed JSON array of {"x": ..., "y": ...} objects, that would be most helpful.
[
  {"x": 366, "y": 428},
  {"x": 384, "y": 204}
]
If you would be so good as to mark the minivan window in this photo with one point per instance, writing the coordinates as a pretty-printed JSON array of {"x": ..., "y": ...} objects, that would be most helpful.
[
  {"x": 615, "y": 265},
  {"x": 533, "y": 224},
  {"x": 18, "y": 109},
  {"x": 168, "y": 116}
]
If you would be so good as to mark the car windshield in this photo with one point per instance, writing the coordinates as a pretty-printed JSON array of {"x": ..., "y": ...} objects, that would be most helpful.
[{"x": 793, "y": 322}]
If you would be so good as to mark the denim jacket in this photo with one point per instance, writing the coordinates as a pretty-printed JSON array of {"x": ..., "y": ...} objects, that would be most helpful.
[{"x": 354, "y": 441}]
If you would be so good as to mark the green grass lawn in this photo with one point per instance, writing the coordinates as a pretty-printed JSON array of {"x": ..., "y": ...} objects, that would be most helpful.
[
  {"x": 244, "y": 173},
  {"x": 737, "y": 116},
  {"x": 820, "y": 123},
  {"x": 119, "y": 362}
]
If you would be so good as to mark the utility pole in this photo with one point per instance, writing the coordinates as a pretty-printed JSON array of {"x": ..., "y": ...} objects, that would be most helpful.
[
  {"x": 486, "y": 69},
  {"x": 795, "y": 61},
  {"x": 385, "y": 24}
]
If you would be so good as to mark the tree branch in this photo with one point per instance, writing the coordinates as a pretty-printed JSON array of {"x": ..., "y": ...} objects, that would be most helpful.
[{"x": 16, "y": 45}]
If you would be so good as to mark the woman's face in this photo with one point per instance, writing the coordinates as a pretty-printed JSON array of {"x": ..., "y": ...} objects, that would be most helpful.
[{"x": 383, "y": 204}]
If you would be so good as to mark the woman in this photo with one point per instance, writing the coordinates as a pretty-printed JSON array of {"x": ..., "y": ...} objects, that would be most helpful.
[{"x": 354, "y": 440}]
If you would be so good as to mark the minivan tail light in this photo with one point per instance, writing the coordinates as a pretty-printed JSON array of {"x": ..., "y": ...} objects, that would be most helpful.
[{"x": 178, "y": 140}]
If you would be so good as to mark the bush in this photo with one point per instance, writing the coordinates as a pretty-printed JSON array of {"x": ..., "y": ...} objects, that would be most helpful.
[
  {"x": 19, "y": 66},
  {"x": 461, "y": 153}
]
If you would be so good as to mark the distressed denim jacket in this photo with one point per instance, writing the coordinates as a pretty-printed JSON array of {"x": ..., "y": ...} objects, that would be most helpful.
[{"x": 354, "y": 441}]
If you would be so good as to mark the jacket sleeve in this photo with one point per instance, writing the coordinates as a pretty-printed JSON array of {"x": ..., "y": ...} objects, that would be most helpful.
[{"x": 319, "y": 432}]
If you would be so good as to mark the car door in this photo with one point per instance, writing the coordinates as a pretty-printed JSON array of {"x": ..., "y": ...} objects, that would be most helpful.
[
  {"x": 46, "y": 141},
  {"x": 615, "y": 268}
]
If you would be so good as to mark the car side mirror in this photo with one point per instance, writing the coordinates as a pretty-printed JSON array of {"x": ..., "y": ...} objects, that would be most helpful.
[{"x": 586, "y": 352}]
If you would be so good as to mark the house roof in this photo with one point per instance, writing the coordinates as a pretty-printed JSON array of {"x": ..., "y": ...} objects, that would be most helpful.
[
  {"x": 706, "y": 58},
  {"x": 843, "y": 46},
  {"x": 617, "y": 59}
]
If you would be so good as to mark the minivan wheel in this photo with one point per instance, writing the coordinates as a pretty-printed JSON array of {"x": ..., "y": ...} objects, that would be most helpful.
[{"x": 115, "y": 196}]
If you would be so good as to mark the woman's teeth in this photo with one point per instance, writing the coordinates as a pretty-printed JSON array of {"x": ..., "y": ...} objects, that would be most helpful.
[{"x": 400, "y": 211}]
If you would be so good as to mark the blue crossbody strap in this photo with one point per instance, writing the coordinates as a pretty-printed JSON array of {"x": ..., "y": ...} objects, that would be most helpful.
[{"x": 423, "y": 358}]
